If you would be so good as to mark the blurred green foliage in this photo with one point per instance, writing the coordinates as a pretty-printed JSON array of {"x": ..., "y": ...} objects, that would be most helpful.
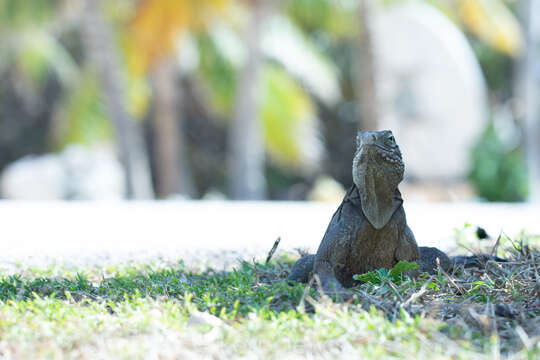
[
  {"x": 17, "y": 14},
  {"x": 334, "y": 18},
  {"x": 218, "y": 73},
  {"x": 285, "y": 108},
  {"x": 85, "y": 119},
  {"x": 38, "y": 53},
  {"x": 498, "y": 171},
  {"x": 497, "y": 67},
  {"x": 30, "y": 42},
  {"x": 288, "y": 117}
]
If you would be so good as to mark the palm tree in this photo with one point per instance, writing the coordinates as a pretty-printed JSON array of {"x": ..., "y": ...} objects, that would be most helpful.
[
  {"x": 173, "y": 175},
  {"x": 104, "y": 56},
  {"x": 366, "y": 86},
  {"x": 276, "y": 116},
  {"x": 531, "y": 91},
  {"x": 246, "y": 146},
  {"x": 152, "y": 34}
]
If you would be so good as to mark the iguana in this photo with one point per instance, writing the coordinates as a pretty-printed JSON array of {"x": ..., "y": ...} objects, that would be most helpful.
[{"x": 369, "y": 230}]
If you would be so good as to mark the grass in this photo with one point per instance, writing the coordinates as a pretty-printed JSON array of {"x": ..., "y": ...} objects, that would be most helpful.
[{"x": 150, "y": 311}]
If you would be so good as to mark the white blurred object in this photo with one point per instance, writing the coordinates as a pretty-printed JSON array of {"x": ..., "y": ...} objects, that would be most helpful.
[
  {"x": 431, "y": 89},
  {"x": 33, "y": 178},
  {"x": 214, "y": 195},
  {"x": 77, "y": 173},
  {"x": 94, "y": 173},
  {"x": 326, "y": 189}
]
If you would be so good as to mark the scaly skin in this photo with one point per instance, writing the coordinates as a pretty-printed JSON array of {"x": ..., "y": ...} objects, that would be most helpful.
[{"x": 369, "y": 229}]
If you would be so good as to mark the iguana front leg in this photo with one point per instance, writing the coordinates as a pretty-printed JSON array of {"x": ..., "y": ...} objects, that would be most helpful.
[
  {"x": 305, "y": 267},
  {"x": 329, "y": 282},
  {"x": 302, "y": 269},
  {"x": 333, "y": 253},
  {"x": 408, "y": 250}
]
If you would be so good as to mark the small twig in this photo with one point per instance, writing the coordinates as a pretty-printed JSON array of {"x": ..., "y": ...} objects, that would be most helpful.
[
  {"x": 523, "y": 337},
  {"x": 318, "y": 283},
  {"x": 481, "y": 320},
  {"x": 537, "y": 285},
  {"x": 515, "y": 245},
  {"x": 419, "y": 293},
  {"x": 394, "y": 289},
  {"x": 494, "y": 326},
  {"x": 272, "y": 250},
  {"x": 496, "y": 245},
  {"x": 448, "y": 277},
  {"x": 305, "y": 295}
]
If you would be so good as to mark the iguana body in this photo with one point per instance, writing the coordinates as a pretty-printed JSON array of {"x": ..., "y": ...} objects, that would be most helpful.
[
  {"x": 344, "y": 252},
  {"x": 369, "y": 230}
]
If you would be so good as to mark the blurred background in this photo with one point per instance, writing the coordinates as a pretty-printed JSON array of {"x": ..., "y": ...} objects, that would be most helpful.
[{"x": 255, "y": 99}]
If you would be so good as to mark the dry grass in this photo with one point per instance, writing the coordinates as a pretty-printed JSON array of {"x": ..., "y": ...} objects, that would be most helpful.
[{"x": 497, "y": 301}]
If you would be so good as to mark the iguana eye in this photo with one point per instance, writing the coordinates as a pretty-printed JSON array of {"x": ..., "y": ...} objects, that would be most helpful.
[{"x": 391, "y": 138}]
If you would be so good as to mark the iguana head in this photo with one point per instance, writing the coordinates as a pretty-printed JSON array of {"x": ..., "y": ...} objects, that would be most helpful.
[{"x": 377, "y": 170}]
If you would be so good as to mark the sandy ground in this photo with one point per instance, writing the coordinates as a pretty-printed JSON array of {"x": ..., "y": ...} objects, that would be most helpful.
[{"x": 212, "y": 232}]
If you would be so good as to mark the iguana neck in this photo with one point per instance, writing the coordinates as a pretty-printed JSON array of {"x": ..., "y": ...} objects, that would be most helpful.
[{"x": 377, "y": 180}]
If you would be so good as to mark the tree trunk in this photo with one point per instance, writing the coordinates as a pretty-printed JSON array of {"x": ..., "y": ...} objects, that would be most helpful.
[
  {"x": 104, "y": 57},
  {"x": 246, "y": 140},
  {"x": 173, "y": 176},
  {"x": 366, "y": 86},
  {"x": 531, "y": 83}
]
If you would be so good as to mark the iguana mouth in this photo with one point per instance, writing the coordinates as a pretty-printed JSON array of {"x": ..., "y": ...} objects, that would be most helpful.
[{"x": 391, "y": 155}]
